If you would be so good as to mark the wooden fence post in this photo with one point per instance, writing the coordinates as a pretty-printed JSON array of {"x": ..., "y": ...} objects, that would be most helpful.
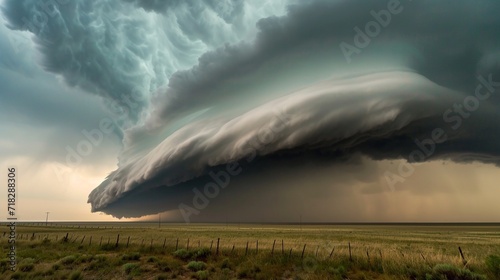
[
  {"x": 117, "y": 240},
  {"x": 331, "y": 253},
  {"x": 464, "y": 261},
  {"x": 303, "y": 250},
  {"x": 177, "y": 244},
  {"x": 217, "y": 250},
  {"x": 350, "y": 254},
  {"x": 272, "y": 250},
  {"x": 128, "y": 240},
  {"x": 381, "y": 260},
  {"x": 246, "y": 249},
  {"x": 422, "y": 255}
]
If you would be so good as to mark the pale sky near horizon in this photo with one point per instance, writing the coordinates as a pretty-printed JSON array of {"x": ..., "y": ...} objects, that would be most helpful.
[{"x": 240, "y": 111}]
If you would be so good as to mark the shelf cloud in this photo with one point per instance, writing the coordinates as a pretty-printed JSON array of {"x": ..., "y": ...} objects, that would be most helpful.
[{"x": 230, "y": 103}]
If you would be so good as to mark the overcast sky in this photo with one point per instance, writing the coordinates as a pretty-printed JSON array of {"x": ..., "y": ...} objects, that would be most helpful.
[{"x": 258, "y": 111}]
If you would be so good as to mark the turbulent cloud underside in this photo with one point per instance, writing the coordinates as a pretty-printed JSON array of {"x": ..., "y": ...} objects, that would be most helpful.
[{"x": 234, "y": 82}]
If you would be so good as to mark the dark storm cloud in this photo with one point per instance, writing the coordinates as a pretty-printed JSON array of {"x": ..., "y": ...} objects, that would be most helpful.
[
  {"x": 449, "y": 47},
  {"x": 339, "y": 116},
  {"x": 230, "y": 11},
  {"x": 269, "y": 189},
  {"x": 380, "y": 115},
  {"x": 97, "y": 53},
  {"x": 334, "y": 119},
  {"x": 389, "y": 92},
  {"x": 121, "y": 52}
]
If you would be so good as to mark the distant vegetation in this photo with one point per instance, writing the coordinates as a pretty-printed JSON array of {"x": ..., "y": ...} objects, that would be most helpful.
[{"x": 255, "y": 252}]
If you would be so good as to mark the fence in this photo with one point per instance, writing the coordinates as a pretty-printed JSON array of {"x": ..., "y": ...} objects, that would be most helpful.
[{"x": 219, "y": 247}]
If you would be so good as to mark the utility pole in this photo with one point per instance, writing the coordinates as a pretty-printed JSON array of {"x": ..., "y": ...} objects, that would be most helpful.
[{"x": 47, "y": 219}]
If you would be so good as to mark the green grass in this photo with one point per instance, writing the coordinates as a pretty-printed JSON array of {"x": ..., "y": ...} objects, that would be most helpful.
[
  {"x": 493, "y": 265},
  {"x": 132, "y": 268},
  {"x": 377, "y": 252},
  {"x": 196, "y": 265}
]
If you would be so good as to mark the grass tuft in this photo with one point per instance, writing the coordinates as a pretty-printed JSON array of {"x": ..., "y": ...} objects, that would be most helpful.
[
  {"x": 202, "y": 254},
  {"x": 135, "y": 256},
  {"x": 183, "y": 254},
  {"x": 450, "y": 272},
  {"x": 27, "y": 265},
  {"x": 76, "y": 275},
  {"x": 196, "y": 265},
  {"x": 68, "y": 260},
  {"x": 201, "y": 275},
  {"x": 131, "y": 269},
  {"x": 493, "y": 265}
]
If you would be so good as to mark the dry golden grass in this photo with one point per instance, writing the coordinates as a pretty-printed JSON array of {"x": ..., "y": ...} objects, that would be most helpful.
[{"x": 377, "y": 251}]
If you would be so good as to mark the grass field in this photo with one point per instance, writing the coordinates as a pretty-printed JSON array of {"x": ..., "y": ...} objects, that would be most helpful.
[{"x": 179, "y": 251}]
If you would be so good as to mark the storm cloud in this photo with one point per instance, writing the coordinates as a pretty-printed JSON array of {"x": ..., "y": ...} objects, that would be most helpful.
[
  {"x": 302, "y": 98},
  {"x": 121, "y": 52}
]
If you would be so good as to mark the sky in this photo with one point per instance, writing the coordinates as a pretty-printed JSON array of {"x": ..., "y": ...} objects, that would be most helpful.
[{"x": 252, "y": 111}]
